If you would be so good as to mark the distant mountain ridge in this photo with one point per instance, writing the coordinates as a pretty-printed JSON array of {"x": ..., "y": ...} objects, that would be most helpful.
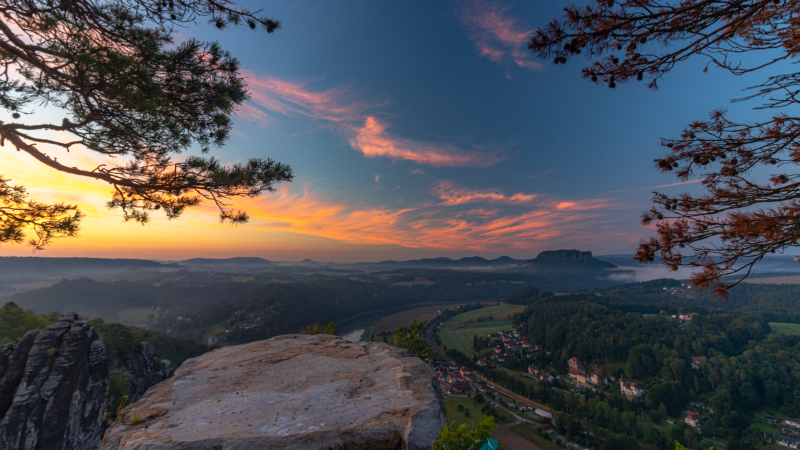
[
  {"x": 241, "y": 260},
  {"x": 468, "y": 261},
  {"x": 567, "y": 259}
]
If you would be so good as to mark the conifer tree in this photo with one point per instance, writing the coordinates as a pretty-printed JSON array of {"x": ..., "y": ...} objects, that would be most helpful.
[
  {"x": 123, "y": 88},
  {"x": 741, "y": 216}
]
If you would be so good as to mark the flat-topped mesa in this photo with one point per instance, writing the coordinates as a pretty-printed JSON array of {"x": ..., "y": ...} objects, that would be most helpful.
[
  {"x": 567, "y": 259},
  {"x": 290, "y": 392}
]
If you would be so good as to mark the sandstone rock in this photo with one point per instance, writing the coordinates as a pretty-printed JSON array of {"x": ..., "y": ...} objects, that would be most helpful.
[
  {"x": 54, "y": 388},
  {"x": 144, "y": 369},
  {"x": 293, "y": 392}
]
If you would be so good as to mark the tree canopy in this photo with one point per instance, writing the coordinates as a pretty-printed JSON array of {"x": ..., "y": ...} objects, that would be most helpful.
[
  {"x": 739, "y": 217},
  {"x": 125, "y": 89}
]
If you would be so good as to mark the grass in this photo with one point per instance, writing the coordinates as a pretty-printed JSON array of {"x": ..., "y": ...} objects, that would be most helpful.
[
  {"x": 764, "y": 427},
  {"x": 498, "y": 312},
  {"x": 792, "y": 329},
  {"x": 461, "y": 338},
  {"x": 458, "y": 417},
  {"x": 417, "y": 281},
  {"x": 528, "y": 432},
  {"x": 135, "y": 314},
  {"x": 390, "y": 323}
]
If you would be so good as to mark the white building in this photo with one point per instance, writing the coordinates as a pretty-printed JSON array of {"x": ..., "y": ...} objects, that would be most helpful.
[{"x": 630, "y": 389}]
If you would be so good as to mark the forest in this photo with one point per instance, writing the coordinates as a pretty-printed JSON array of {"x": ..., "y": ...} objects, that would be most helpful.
[{"x": 744, "y": 371}]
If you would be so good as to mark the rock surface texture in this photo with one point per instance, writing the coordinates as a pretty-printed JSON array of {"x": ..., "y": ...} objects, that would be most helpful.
[
  {"x": 54, "y": 388},
  {"x": 293, "y": 392},
  {"x": 145, "y": 370}
]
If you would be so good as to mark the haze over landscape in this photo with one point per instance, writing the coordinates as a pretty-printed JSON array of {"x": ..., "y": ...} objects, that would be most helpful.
[{"x": 375, "y": 225}]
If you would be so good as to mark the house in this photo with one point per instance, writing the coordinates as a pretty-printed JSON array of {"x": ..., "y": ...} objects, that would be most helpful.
[
  {"x": 462, "y": 386},
  {"x": 692, "y": 419},
  {"x": 506, "y": 339},
  {"x": 533, "y": 370},
  {"x": 501, "y": 358},
  {"x": 630, "y": 389},
  {"x": 511, "y": 345},
  {"x": 542, "y": 413},
  {"x": 465, "y": 371},
  {"x": 794, "y": 423},
  {"x": 537, "y": 347},
  {"x": 212, "y": 340},
  {"x": 786, "y": 441},
  {"x": 482, "y": 362},
  {"x": 525, "y": 343},
  {"x": 575, "y": 363},
  {"x": 696, "y": 362},
  {"x": 597, "y": 378},
  {"x": 544, "y": 376},
  {"x": 772, "y": 420},
  {"x": 498, "y": 349},
  {"x": 684, "y": 316},
  {"x": 578, "y": 375},
  {"x": 453, "y": 377},
  {"x": 547, "y": 428},
  {"x": 516, "y": 333}
]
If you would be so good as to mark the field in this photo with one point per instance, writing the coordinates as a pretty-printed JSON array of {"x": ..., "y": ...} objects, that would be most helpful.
[
  {"x": 792, "y": 329},
  {"x": 498, "y": 312},
  {"x": 135, "y": 314},
  {"x": 461, "y": 338},
  {"x": 417, "y": 280},
  {"x": 792, "y": 279},
  {"x": 390, "y": 323},
  {"x": 527, "y": 431},
  {"x": 458, "y": 417}
]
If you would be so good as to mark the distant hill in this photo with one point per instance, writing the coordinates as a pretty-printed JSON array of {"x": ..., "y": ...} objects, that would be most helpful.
[
  {"x": 240, "y": 261},
  {"x": 567, "y": 259},
  {"x": 444, "y": 262},
  {"x": 12, "y": 267}
]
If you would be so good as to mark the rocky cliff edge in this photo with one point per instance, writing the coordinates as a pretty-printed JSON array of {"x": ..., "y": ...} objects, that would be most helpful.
[{"x": 293, "y": 392}]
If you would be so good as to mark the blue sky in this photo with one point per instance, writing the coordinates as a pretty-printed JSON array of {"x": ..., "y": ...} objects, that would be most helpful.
[{"x": 422, "y": 128}]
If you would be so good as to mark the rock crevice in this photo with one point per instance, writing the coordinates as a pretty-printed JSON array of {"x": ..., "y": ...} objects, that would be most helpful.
[{"x": 54, "y": 388}]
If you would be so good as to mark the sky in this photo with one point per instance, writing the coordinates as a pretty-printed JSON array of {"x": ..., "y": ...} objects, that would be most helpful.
[{"x": 414, "y": 129}]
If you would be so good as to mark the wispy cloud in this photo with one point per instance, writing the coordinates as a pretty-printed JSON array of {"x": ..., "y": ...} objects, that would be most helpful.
[
  {"x": 374, "y": 141},
  {"x": 338, "y": 109},
  {"x": 435, "y": 226},
  {"x": 497, "y": 35},
  {"x": 458, "y": 195}
]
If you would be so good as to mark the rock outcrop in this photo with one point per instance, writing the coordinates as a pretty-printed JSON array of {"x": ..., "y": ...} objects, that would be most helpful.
[
  {"x": 54, "y": 388},
  {"x": 145, "y": 370},
  {"x": 567, "y": 259},
  {"x": 290, "y": 392}
]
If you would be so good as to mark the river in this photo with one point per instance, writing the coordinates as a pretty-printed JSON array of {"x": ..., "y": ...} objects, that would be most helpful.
[{"x": 354, "y": 335}]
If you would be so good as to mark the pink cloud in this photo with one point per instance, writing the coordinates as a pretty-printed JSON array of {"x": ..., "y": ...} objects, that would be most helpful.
[
  {"x": 374, "y": 141},
  {"x": 455, "y": 195},
  {"x": 583, "y": 205},
  {"x": 432, "y": 226},
  {"x": 496, "y": 34},
  {"x": 364, "y": 132}
]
